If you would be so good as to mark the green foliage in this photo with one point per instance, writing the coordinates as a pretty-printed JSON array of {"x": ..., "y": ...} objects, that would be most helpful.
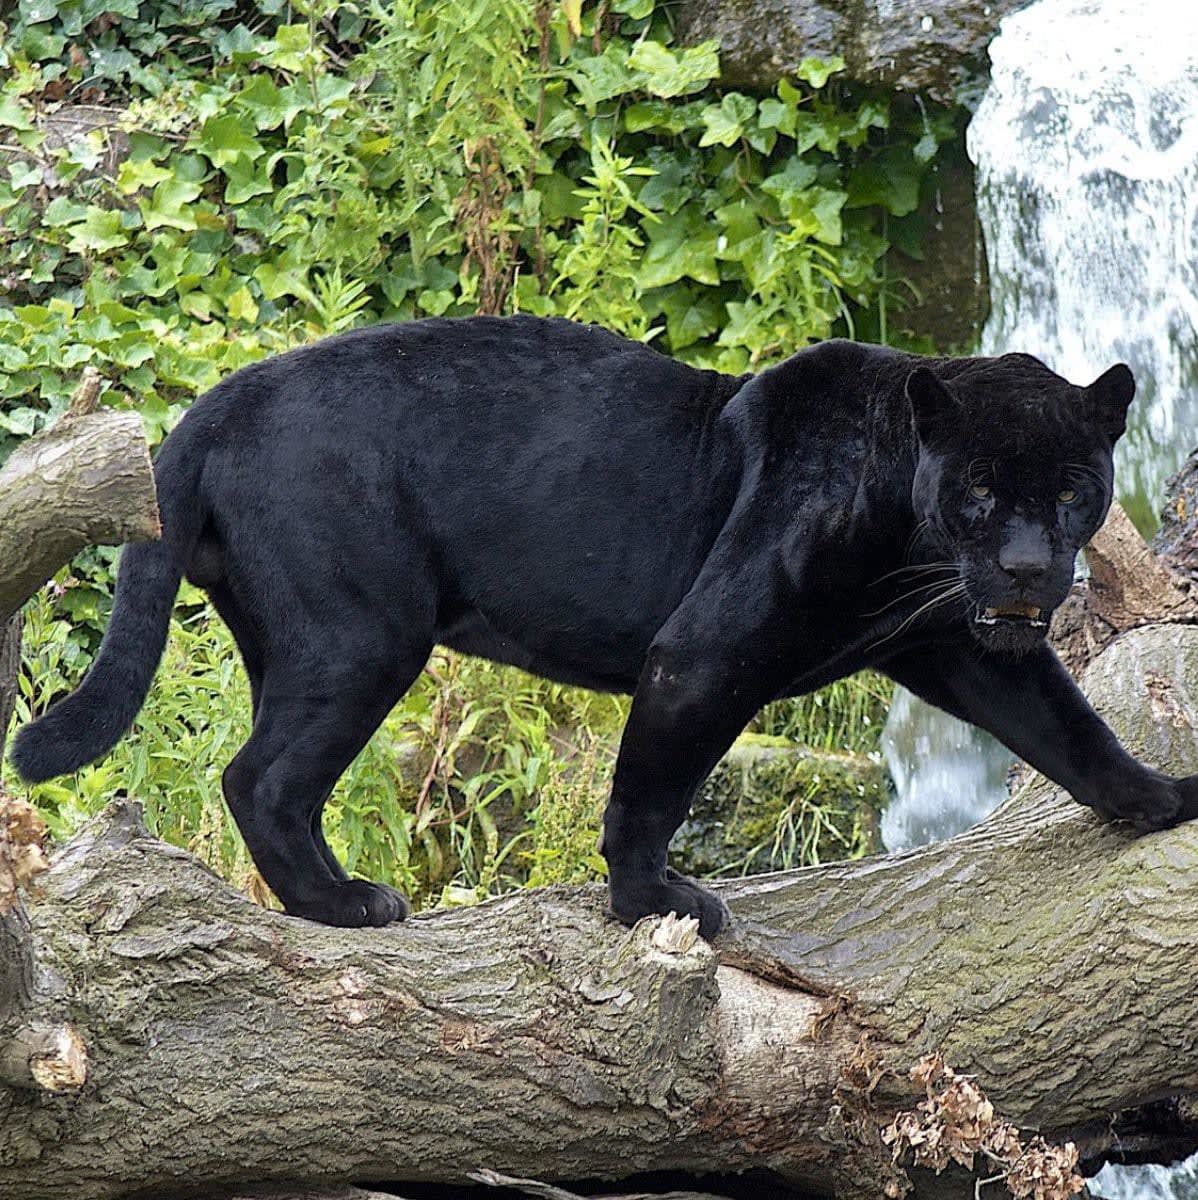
[
  {"x": 482, "y": 778},
  {"x": 845, "y": 716},
  {"x": 292, "y": 170}
]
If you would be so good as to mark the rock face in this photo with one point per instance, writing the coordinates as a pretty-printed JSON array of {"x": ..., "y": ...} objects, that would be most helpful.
[
  {"x": 1177, "y": 538},
  {"x": 925, "y": 46},
  {"x": 949, "y": 284}
]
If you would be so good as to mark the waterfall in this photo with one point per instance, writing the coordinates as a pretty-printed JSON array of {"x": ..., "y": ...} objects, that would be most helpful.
[{"x": 1086, "y": 147}]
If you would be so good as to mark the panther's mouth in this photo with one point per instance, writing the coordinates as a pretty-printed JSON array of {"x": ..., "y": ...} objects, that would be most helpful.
[{"x": 1013, "y": 613}]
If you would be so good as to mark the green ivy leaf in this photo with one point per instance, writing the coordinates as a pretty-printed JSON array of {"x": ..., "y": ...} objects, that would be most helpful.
[
  {"x": 291, "y": 49},
  {"x": 670, "y": 186},
  {"x": 659, "y": 114},
  {"x": 135, "y": 174},
  {"x": 276, "y": 282},
  {"x": 817, "y": 212},
  {"x": 20, "y": 421},
  {"x": 777, "y": 114},
  {"x": 265, "y": 103},
  {"x": 890, "y": 179},
  {"x": 13, "y": 114},
  {"x": 725, "y": 122},
  {"x": 100, "y": 231},
  {"x": 225, "y": 140},
  {"x": 691, "y": 315},
  {"x": 665, "y": 73},
  {"x": 168, "y": 205},
  {"x": 739, "y": 224},
  {"x": 23, "y": 175},
  {"x": 817, "y": 71},
  {"x": 793, "y": 180},
  {"x": 603, "y": 76},
  {"x": 241, "y": 305},
  {"x": 37, "y": 11},
  {"x": 245, "y": 180},
  {"x": 39, "y": 43},
  {"x": 678, "y": 246}
]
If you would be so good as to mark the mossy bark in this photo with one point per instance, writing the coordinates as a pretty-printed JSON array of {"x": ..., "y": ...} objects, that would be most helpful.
[{"x": 1044, "y": 952}]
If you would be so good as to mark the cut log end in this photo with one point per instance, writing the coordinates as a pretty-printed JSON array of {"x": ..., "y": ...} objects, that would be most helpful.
[{"x": 49, "y": 1058}]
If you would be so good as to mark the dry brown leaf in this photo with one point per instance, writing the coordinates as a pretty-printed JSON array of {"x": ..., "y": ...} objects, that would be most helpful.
[
  {"x": 22, "y": 848},
  {"x": 957, "y": 1122}
]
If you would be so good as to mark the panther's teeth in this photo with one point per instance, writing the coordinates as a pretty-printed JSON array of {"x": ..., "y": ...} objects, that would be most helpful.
[
  {"x": 1028, "y": 612},
  {"x": 1015, "y": 609}
]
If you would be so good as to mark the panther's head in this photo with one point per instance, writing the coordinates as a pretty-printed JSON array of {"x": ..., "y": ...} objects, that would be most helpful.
[{"x": 1014, "y": 476}]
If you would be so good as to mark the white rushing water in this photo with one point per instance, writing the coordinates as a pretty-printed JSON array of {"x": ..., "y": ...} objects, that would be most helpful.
[
  {"x": 1147, "y": 1183},
  {"x": 1086, "y": 147}
]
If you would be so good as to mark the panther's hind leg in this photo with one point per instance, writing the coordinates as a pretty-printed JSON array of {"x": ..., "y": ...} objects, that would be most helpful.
[
  {"x": 252, "y": 655},
  {"x": 253, "y": 658},
  {"x": 307, "y": 731}
]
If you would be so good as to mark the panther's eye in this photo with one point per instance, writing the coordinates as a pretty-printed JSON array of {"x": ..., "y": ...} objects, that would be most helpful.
[
  {"x": 1066, "y": 496},
  {"x": 979, "y": 491}
]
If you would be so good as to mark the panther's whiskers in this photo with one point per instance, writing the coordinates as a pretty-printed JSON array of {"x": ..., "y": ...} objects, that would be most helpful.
[
  {"x": 923, "y": 587},
  {"x": 952, "y": 593},
  {"x": 914, "y": 569}
]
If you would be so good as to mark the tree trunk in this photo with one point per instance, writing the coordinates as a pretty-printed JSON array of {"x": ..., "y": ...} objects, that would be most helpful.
[
  {"x": 1045, "y": 953},
  {"x": 87, "y": 480},
  {"x": 1128, "y": 586}
]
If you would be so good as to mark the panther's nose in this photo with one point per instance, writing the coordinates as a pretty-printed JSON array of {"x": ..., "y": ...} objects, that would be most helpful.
[{"x": 1024, "y": 567}]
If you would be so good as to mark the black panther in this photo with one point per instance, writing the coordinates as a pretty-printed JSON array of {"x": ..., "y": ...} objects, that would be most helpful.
[{"x": 551, "y": 495}]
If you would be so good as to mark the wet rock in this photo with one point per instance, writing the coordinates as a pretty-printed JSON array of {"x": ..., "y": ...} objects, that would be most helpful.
[
  {"x": 949, "y": 282},
  {"x": 928, "y": 46},
  {"x": 770, "y": 804}
]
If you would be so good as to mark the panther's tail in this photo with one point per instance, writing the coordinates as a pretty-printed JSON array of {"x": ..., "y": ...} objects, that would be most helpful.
[{"x": 90, "y": 721}]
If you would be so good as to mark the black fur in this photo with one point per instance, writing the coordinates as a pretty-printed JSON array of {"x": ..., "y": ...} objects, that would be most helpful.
[{"x": 553, "y": 496}]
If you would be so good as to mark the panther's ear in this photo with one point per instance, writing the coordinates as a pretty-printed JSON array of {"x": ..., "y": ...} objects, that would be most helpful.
[
  {"x": 933, "y": 406},
  {"x": 1109, "y": 396}
]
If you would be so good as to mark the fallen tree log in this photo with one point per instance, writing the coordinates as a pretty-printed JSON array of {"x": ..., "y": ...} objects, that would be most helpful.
[
  {"x": 87, "y": 480},
  {"x": 1046, "y": 954}
]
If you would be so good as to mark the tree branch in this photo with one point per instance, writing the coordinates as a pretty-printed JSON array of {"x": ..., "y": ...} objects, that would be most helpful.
[{"x": 86, "y": 481}]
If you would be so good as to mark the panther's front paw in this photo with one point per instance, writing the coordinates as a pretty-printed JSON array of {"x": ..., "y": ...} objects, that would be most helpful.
[
  {"x": 1187, "y": 790},
  {"x": 1151, "y": 802},
  {"x": 670, "y": 892},
  {"x": 353, "y": 904}
]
